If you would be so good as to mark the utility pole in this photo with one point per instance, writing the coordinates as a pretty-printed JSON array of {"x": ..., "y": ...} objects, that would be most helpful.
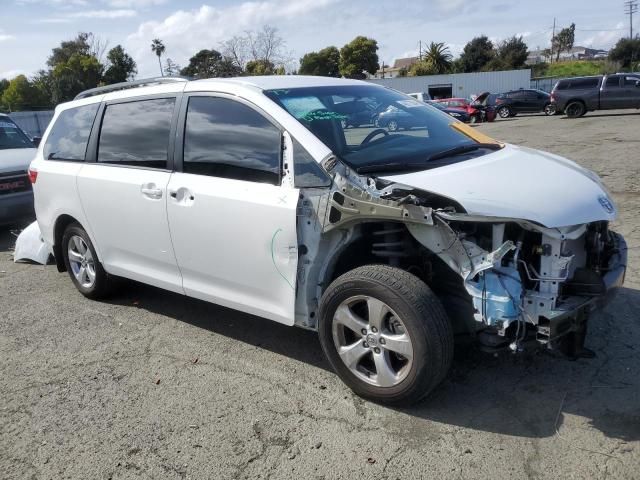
[
  {"x": 553, "y": 37},
  {"x": 631, "y": 7}
]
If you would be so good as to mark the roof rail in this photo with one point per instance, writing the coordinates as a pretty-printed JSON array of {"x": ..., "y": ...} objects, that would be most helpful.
[{"x": 126, "y": 85}]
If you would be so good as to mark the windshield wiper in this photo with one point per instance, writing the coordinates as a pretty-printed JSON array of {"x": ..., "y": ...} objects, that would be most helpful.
[{"x": 459, "y": 150}]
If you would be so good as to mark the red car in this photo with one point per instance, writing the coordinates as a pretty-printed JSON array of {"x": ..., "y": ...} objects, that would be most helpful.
[{"x": 475, "y": 113}]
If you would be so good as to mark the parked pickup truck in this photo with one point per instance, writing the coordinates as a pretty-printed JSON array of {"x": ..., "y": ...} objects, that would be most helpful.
[{"x": 579, "y": 95}]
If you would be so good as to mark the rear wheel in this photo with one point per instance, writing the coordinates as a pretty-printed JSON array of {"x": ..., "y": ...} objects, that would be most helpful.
[
  {"x": 549, "y": 109},
  {"x": 504, "y": 112},
  {"x": 575, "y": 109},
  {"x": 82, "y": 263},
  {"x": 386, "y": 334}
]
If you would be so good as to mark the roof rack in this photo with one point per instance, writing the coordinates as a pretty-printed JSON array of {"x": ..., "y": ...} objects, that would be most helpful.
[{"x": 126, "y": 85}]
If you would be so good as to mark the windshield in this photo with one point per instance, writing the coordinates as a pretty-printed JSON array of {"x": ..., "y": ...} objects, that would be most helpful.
[
  {"x": 12, "y": 137},
  {"x": 369, "y": 126}
]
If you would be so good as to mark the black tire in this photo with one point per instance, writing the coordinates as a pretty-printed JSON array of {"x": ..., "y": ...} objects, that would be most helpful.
[
  {"x": 575, "y": 109},
  {"x": 103, "y": 284},
  {"x": 422, "y": 315},
  {"x": 504, "y": 112}
]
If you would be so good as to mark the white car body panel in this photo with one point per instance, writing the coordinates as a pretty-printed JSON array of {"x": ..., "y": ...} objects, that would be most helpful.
[
  {"x": 519, "y": 183},
  {"x": 235, "y": 242},
  {"x": 130, "y": 226}
]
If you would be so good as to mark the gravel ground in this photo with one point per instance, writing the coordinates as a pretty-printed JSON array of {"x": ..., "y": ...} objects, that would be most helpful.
[{"x": 154, "y": 385}]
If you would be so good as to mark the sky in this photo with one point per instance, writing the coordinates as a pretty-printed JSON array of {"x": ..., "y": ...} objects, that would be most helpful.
[{"x": 29, "y": 29}]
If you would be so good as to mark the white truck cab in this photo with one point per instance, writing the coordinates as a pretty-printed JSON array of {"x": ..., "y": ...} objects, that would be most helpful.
[{"x": 251, "y": 193}]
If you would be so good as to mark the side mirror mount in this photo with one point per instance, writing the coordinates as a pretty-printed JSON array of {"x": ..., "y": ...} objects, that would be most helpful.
[{"x": 36, "y": 141}]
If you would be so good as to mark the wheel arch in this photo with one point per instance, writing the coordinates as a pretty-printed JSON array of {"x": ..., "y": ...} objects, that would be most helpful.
[{"x": 61, "y": 223}]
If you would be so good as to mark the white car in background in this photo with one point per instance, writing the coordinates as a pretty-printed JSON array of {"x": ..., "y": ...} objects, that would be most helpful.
[
  {"x": 16, "y": 152},
  {"x": 249, "y": 193}
]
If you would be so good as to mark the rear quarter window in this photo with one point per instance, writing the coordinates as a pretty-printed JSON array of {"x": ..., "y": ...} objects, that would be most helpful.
[
  {"x": 70, "y": 133},
  {"x": 578, "y": 83}
]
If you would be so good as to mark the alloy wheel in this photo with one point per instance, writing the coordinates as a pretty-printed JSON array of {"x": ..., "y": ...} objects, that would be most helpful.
[
  {"x": 372, "y": 341},
  {"x": 81, "y": 261}
]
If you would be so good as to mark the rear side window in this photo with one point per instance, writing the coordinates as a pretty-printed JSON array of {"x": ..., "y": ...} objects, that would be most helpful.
[
  {"x": 136, "y": 133},
  {"x": 226, "y": 138},
  {"x": 613, "y": 82},
  {"x": 631, "y": 81},
  {"x": 70, "y": 133}
]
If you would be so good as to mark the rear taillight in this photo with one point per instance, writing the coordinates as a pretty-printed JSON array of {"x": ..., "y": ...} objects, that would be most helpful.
[
  {"x": 552, "y": 98},
  {"x": 33, "y": 175}
]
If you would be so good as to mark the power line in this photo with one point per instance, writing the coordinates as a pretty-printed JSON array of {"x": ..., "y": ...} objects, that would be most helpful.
[{"x": 631, "y": 7}]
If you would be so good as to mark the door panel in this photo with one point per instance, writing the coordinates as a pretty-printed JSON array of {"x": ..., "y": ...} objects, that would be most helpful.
[
  {"x": 127, "y": 212},
  {"x": 236, "y": 243}
]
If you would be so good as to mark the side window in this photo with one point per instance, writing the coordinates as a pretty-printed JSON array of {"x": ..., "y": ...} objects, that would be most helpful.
[
  {"x": 136, "y": 133},
  {"x": 612, "y": 82},
  {"x": 225, "y": 138},
  {"x": 307, "y": 172},
  {"x": 631, "y": 81},
  {"x": 70, "y": 133}
]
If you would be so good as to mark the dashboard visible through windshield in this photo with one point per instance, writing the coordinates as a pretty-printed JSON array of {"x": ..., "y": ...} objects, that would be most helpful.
[{"x": 370, "y": 126}]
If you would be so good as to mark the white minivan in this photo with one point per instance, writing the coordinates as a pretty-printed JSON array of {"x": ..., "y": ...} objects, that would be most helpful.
[{"x": 250, "y": 193}]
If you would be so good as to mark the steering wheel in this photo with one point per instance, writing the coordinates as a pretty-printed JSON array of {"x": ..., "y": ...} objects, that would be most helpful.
[{"x": 373, "y": 134}]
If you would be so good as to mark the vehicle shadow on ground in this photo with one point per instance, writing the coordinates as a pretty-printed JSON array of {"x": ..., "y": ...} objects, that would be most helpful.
[{"x": 526, "y": 395}]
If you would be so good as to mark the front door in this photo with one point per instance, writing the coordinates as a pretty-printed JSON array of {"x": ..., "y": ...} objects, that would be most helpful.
[
  {"x": 123, "y": 193},
  {"x": 232, "y": 217}
]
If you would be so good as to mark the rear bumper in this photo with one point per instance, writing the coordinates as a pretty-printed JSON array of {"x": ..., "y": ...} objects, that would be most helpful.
[
  {"x": 16, "y": 206},
  {"x": 572, "y": 314}
]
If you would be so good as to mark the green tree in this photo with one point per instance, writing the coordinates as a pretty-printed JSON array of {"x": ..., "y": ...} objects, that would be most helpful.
[
  {"x": 421, "y": 68},
  {"x": 359, "y": 57},
  {"x": 21, "y": 94},
  {"x": 260, "y": 67},
  {"x": 121, "y": 67},
  {"x": 439, "y": 57},
  {"x": 325, "y": 63},
  {"x": 78, "y": 73},
  {"x": 476, "y": 54},
  {"x": 563, "y": 41},
  {"x": 78, "y": 46},
  {"x": 210, "y": 64},
  {"x": 158, "y": 48},
  {"x": 627, "y": 52},
  {"x": 511, "y": 54}
]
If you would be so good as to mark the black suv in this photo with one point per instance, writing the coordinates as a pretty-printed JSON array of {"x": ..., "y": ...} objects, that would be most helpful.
[{"x": 509, "y": 104}]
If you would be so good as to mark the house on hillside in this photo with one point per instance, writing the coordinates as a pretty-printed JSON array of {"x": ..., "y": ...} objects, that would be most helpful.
[
  {"x": 576, "y": 53},
  {"x": 394, "y": 71}
]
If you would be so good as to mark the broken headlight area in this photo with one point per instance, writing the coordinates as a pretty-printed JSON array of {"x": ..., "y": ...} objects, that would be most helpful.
[{"x": 527, "y": 282}]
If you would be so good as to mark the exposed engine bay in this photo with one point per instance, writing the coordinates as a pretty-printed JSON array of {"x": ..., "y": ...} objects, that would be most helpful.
[{"x": 504, "y": 280}]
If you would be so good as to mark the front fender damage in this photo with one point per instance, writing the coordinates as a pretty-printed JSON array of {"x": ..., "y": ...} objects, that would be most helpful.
[{"x": 519, "y": 275}]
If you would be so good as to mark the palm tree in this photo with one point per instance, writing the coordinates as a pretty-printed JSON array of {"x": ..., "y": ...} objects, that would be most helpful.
[
  {"x": 438, "y": 57},
  {"x": 158, "y": 48}
]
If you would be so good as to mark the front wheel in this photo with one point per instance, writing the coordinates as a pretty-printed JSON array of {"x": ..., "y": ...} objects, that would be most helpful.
[
  {"x": 82, "y": 263},
  {"x": 504, "y": 112},
  {"x": 386, "y": 334}
]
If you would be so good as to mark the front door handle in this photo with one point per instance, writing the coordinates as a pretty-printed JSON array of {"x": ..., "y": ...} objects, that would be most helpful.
[{"x": 149, "y": 190}]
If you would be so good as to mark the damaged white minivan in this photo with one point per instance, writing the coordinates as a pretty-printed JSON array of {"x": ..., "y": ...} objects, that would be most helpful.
[{"x": 254, "y": 194}]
